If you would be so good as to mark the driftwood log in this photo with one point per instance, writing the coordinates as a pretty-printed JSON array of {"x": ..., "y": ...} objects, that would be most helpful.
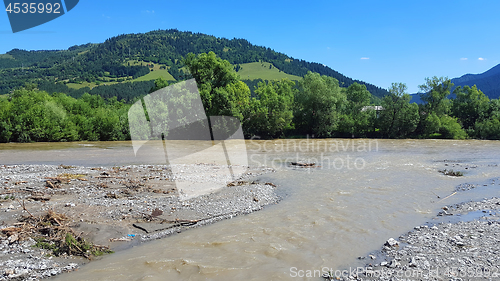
[{"x": 299, "y": 164}]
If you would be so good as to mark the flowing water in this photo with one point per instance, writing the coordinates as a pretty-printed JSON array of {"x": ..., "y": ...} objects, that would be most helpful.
[{"x": 363, "y": 193}]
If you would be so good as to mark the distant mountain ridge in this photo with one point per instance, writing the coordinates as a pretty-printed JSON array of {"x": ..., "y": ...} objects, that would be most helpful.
[
  {"x": 488, "y": 82},
  {"x": 126, "y": 57}
]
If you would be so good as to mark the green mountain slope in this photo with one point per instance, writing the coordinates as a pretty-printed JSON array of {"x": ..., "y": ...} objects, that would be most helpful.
[{"x": 101, "y": 68}]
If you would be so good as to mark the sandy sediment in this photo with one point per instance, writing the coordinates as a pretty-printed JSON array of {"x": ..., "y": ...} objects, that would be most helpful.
[{"x": 115, "y": 207}]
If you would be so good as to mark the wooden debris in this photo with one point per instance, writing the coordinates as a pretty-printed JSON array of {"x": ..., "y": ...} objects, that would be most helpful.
[
  {"x": 156, "y": 212},
  {"x": 132, "y": 184},
  {"x": 447, "y": 197},
  {"x": 68, "y": 176},
  {"x": 102, "y": 185},
  {"x": 108, "y": 177},
  {"x": 119, "y": 240},
  {"x": 181, "y": 221},
  {"x": 58, "y": 179},
  {"x": 55, "y": 182},
  {"x": 11, "y": 230},
  {"x": 163, "y": 191},
  {"x": 237, "y": 183},
  {"x": 112, "y": 195},
  {"x": 51, "y": 231},
  {"x": 24, "y": 207},
  {"x": 40, "y": 197},
  {"x": 299, "y": 164},
  {"x": 51, "y": 184},
  {"x": 13, "y": 238}
]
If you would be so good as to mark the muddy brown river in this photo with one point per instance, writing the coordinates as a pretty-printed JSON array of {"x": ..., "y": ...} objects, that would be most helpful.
[{"x": 360, "y": 193}]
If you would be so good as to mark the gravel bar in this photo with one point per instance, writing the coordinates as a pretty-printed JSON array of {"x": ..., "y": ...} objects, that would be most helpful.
[{"x": 118, "y": 207}]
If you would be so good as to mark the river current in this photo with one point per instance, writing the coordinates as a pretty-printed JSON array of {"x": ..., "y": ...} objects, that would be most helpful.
[{"x": 361, "y": 193}]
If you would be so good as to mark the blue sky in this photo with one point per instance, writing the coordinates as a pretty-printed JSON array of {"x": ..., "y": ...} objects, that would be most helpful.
[{"x": 375, "y": 41}]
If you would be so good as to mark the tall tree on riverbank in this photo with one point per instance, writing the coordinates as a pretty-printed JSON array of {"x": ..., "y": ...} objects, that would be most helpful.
[
  {"x": 470, "y": 106},
  {"x": 489, "y": 126},
  {"x": 271, "y": 111},
  {"x": 318, "y": 105},
  {"x": 399, "y": 118},
  {"x": 221, "y": 90},
  {"x": 435, "y": 121},
  {"x": 357, "y": 118},
  {"x": 435, "y": 92}
]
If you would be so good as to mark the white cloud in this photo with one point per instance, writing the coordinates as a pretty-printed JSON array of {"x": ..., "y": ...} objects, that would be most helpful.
[
  {"x": 463, "y": 58},
  {"x": 364, "y": 58},
  {"x": 481, "y": 58}
]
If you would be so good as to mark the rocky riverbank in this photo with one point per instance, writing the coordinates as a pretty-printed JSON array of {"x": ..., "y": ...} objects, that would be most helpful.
[
  {"x": 467, "y": 249},
  {"x": 110, "y": 207}
]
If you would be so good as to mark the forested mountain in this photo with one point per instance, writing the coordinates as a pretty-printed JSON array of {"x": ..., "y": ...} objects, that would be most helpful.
[
  {"x": 127, "y": 57},
  {"x": 488, "y": 82}
]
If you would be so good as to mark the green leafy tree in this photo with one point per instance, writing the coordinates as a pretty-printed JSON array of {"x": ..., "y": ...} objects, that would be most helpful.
[
  {"x": 436, "y": 122},
  {"x": 5, "y": 120},
  {"x": 107, "y": 124},
  {"x": 239, "y": 96},
  {"x": 399, "y": 118},
  {"x": 470, "y": 106},
  {"x": 159, "y": 83},
  {"x": 358, "y": 118},
  {"x": 430, "y": 124},
  {"x": 436, "y": 91},
  {"x": 271, "y": 111},
  {"x": 31, "y": 115},
  {"x": 451, "y": 129},
  {"x": 318, "y": 105},
  {"x": 489, "y": 127},
  {"x": 221, "y": 91}
]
